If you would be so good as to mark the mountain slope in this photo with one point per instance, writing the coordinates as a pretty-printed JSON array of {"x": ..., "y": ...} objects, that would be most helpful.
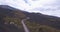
[
  {"x": 42, "y": 23},
  {"x": 10, "y": 19},
  {"x": 44, "y": 19}
]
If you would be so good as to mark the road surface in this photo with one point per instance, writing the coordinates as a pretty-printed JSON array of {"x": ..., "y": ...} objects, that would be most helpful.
[{"x": 24, "y": 26}]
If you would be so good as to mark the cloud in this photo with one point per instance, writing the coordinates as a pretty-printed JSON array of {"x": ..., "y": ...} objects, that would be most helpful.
[
  {"x": 20, "y": 4},
  {"x": 49, "y": 7},
  {"x": 26, "y": 1},
  {"x": 26, "y": 4}
]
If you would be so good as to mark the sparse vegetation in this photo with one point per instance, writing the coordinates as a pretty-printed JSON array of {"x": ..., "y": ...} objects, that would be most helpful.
[{"x": 34, "y": 27}]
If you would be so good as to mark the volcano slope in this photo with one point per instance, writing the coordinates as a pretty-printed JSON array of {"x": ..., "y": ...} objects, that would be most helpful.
[
  {"x": 39, "y": 22},
  {"x": 10, "y": 21}
]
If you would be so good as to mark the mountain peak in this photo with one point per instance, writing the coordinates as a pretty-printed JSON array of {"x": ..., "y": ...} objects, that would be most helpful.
[
  {"x": 4, "y": 6},
  {"x": 7, "y": 7}
]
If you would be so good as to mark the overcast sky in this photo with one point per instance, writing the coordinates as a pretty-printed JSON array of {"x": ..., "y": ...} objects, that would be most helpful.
[{"x": 49, "y": 7}]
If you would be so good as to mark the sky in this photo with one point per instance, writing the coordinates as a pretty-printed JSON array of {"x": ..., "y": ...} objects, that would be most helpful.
[{"x": 48, "y": 7}]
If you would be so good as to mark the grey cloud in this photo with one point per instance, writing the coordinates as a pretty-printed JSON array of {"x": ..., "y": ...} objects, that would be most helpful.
[
  {"x": 26, "y": 1},
  {"x": 45, "y": 9},
  {"x": 54, "y": 7}
]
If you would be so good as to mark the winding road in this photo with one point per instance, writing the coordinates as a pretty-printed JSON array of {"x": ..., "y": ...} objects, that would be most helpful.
[{"x": 24, "y": 26}]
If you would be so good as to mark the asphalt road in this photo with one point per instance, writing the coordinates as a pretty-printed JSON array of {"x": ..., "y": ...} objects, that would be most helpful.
[{"x": 24, "y": 26}]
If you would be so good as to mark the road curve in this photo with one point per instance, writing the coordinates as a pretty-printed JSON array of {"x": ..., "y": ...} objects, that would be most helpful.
[{"x": 24, "y": 26}]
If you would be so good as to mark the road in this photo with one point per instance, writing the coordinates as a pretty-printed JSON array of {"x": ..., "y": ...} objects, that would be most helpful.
[{"x": 24, "y": 26}]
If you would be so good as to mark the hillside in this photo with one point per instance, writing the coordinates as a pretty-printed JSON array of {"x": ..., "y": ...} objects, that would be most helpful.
[
  {"x": 10, "y": 21},
  {"x": 44, "y": 19},
  {"x": 46, "y": 23}
]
